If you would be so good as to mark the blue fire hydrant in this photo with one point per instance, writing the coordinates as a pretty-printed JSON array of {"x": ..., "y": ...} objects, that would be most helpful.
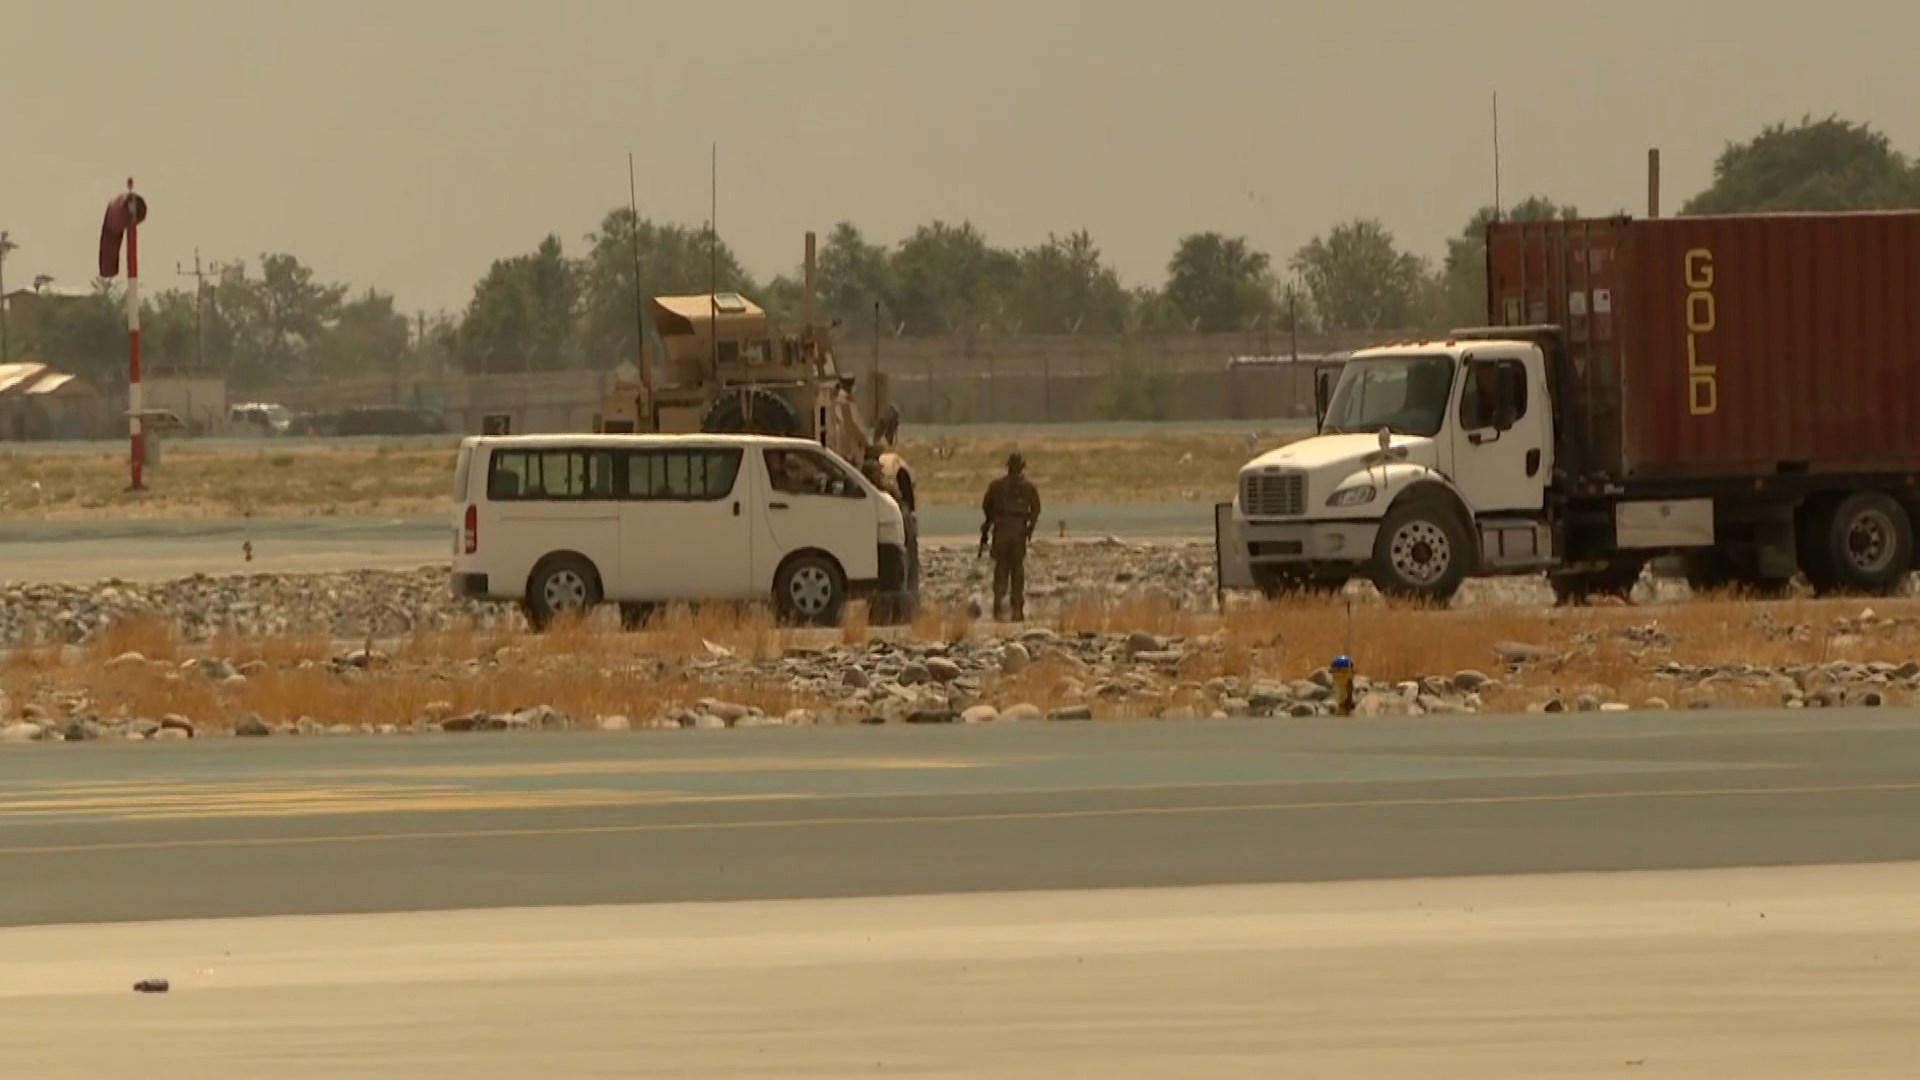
[{"x": 1343, "y": 685}]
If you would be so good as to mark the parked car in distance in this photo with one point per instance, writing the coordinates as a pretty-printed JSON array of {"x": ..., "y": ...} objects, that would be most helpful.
[
  {"x": 261, "y": 417},
  {"x": 562, "y": 523},
  {"x": 367, "y": 420}
]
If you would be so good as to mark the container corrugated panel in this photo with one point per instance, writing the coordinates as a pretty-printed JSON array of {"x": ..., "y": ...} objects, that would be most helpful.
[{"x": 1741, "y": 346}]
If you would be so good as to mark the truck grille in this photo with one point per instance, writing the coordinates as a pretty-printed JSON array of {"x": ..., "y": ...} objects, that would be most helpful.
[{"x": 1279, "y": 494}]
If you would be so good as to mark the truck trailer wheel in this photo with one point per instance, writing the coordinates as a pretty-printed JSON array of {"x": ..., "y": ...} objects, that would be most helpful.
[
  {"x": 1867, "y": 544},
  {"x": 1422, "y": 552}
]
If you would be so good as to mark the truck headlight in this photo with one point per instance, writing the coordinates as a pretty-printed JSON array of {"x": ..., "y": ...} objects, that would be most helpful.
[{"x": 1353, "y": 496}]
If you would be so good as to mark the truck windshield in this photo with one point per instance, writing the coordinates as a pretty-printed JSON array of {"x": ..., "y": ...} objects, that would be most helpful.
[{"x": 1404, "y": 394}]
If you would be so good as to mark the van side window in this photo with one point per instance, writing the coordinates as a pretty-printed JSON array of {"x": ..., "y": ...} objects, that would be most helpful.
[
  {"x": 808, "y": 472},
  {"x": 702, "y": 475},
  {"x": 550, "y": 475}
]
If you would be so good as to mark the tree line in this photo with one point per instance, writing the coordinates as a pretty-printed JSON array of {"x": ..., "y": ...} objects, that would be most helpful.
[{"x": 550, "y": 308}]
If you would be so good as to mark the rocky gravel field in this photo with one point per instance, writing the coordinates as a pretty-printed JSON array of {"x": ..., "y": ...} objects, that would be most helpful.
[
  {"x": 1061, "y": 575},
  {"x": 1117, "y": 629}
]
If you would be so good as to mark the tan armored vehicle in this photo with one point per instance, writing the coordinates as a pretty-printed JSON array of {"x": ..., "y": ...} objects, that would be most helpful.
[{"x": 727, "y": 368}]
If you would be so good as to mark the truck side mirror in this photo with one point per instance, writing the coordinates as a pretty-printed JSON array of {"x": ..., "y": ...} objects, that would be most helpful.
[
  {"x": 1506, "y": 397},
  {"x": 1322, "y": 397}
]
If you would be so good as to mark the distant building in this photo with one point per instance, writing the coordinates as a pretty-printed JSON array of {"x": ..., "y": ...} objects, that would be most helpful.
[
  {"x": 38, "y": 403},
  {"x": 24, "y": 301}
]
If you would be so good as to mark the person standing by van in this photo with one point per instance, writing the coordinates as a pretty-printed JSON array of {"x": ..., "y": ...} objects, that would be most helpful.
[
  {"x": 1011, "y": 510},
  {"x": 898, "y": 482}
]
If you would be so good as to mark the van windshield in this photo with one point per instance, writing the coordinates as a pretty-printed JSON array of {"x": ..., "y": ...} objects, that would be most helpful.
[{"x": 1404, "y": 394}]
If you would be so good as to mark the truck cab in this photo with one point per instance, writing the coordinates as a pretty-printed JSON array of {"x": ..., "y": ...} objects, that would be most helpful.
[{"x": 1432, "y": 462}]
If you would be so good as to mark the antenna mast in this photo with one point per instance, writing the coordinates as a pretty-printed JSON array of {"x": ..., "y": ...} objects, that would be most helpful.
[
  {"x": 639, "y": 295},
  {"x": 713, "y": 257},
  {"x": 1497, "y": 215}
]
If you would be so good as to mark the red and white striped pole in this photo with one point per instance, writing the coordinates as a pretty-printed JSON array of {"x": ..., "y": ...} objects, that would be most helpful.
[
  {"x": 124, "y": 215},
  {"x": 134, "y": 402}
]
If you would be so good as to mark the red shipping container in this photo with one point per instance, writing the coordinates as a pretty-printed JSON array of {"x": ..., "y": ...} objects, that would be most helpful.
[{"x": 1726, "y": 347}]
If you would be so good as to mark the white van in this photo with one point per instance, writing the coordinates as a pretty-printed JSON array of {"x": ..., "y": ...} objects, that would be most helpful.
[{"x": 564, "y": 522}]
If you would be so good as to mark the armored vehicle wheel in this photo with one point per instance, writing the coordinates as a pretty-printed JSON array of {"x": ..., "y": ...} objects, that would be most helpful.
[{"x": 770, "y": 414}]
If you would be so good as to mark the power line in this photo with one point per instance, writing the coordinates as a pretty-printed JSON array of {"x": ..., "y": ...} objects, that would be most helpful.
[
  {"x": 199, "y": 275},
  {"x": 7, "y": 246}
]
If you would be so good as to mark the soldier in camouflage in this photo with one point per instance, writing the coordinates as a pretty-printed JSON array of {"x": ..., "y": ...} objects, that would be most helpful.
[{"x": 1012, "y": 511}]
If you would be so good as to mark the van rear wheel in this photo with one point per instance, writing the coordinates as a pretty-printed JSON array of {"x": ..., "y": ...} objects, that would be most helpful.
[
  {"x": 810, "y": 590},
  {"x": 561, "y": 585}
]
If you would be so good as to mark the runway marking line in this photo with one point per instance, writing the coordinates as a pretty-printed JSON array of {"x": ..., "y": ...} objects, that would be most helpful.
[
  {"x": 658, "y": 766},
  {"x": 164, "y": 800},
  {"x": 955, "y": 819},
  {"x": 159, "y": 802}
]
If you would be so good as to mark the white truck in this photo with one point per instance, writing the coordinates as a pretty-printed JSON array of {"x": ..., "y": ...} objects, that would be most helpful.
[
  {"x": 1659, "y": 387},
  {"x": 1427, "y": 468}
]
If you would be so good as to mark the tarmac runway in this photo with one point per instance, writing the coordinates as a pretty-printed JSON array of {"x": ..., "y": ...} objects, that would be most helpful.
[
  {"x": 221, "y": 828},
  {"x": 1699, "y": 895},
  {"x": 1751, "y": 974}
]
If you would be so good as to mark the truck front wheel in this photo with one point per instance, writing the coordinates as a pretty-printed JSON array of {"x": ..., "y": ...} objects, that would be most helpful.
[{"x": 1422, "y": 552}]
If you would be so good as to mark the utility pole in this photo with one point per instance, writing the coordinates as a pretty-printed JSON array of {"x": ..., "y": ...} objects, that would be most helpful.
[
  {"x": 199, "y": 275},
  {"x": 6, "y": 342}
]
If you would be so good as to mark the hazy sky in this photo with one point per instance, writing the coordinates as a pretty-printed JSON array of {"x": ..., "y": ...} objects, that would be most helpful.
[{"x": 407, "y": 143}]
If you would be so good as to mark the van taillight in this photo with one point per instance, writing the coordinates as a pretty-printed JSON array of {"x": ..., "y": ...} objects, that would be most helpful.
[{"x": 472, "y": 534}]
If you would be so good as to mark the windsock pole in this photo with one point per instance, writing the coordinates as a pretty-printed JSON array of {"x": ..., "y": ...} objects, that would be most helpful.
[{"x": 135, "y": 436}]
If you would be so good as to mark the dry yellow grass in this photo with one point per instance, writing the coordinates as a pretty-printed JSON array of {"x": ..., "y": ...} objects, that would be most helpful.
[
  {"x": 148, "y": 635},
  {"x": 587, "y": 670},
  {"x": 359, "y": 479}
]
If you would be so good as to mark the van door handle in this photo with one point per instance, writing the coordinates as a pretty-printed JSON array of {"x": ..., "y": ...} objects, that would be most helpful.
[{"x": 776, "y": 506}]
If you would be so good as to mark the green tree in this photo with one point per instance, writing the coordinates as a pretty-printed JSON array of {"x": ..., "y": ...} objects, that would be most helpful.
[
  {"x": 523, "y": 313},
  {"x": 170, "y": 330},
  {"x": 783, "y": 298},
  {"x": 1829, "y": 164},
  {"x": 85, "y": 335},
  {"x": 1463, "y": 276},
  {"x": 1150, "y": 312},
  {"x": 948, "y": 278},
  {"x": 276, "y": 318},
  {"x": 1221, "y": 281},
  {"x": 1065, "y": 283},
  {"x": 853, "y": 273},
  {"x": 368, "y": 337},
  {"x": 674, "y": 260},
  {"x": 1358, "y": 279}
]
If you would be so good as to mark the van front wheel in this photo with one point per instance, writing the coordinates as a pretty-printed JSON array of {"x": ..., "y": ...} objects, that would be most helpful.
[{"x": 810, "y": 590}]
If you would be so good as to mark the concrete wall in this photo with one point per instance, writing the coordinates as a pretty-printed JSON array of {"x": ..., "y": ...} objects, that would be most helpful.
[
  {"x": 1029, "y": 379},
  {"x": 200, "y": 401}
]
